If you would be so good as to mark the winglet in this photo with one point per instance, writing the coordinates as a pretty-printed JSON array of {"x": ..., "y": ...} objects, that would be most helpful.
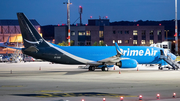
[{"x": 119, "y": 52}]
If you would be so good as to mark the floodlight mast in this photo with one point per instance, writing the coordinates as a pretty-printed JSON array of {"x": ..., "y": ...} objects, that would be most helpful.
[
  {"x": 80, "y": 12},
  {"x": 68, "y": 22},
  {"x": 176, "y": 30}
]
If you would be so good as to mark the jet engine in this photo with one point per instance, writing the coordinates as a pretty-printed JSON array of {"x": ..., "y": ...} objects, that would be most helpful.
[{"x": 127, "y": 63}]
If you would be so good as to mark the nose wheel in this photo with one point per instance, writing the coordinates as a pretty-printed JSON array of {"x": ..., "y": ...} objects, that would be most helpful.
[
  {"x": 161, "y": 68},
  {"x": 175, "y": 68}
]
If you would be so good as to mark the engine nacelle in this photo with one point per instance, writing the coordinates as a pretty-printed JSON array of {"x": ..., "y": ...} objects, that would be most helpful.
[{"x": 127, "y": 63}]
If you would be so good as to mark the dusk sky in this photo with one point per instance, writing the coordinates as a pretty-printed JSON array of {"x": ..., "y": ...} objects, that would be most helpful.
[{"x": 53, "y": 12}]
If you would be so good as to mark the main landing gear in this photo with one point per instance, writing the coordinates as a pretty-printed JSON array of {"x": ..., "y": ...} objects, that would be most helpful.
[
  {"x": 92, "y": 68},
  {"x": 104, "y": 68}
]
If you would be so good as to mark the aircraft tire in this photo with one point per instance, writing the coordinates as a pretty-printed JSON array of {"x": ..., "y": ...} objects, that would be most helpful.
[
  {"x": 160, "y": 68},
  {"x": 92, "y": 68},
  {"x": 103, "y": 68}
]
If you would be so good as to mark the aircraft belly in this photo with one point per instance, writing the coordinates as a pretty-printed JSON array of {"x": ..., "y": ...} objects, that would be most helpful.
[{"x": 53, "y": 56}]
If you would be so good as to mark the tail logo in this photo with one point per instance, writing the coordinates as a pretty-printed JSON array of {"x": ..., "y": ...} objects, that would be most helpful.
[
  {"x": 34, "y": 42},
  {"x": 41, "y": 40}
]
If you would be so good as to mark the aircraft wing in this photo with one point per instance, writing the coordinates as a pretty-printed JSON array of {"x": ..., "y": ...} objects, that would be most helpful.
[
  {"x": 112, "y": 59},
  {"x": 115, "y": 58}
]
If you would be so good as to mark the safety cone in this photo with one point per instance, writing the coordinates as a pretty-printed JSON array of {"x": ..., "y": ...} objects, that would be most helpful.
[
  {"x": 137, "y": 69},
  {"x": 114, "y": 68},
  {"x": 39, "y": 68},
  {"x": 119, "y": 71}
]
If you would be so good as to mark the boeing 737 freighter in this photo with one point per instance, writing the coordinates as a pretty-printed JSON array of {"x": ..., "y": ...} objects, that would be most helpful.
[{"x": 123, "y": 56}]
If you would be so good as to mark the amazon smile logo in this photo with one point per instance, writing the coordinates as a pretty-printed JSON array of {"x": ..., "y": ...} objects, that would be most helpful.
[{"x": 34, "y": 42}]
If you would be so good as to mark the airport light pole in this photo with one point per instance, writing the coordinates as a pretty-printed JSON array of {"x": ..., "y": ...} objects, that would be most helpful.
[
  {"x": 68, "y": 21},
  {"x": 176, "y": 29}
]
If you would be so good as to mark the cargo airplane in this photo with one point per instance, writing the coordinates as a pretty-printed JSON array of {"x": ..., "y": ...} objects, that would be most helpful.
[{"x": 122, "y": 56}]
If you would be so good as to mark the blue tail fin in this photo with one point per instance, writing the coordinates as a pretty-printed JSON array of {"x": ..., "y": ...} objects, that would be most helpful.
[{"x": 7, "y": 42}]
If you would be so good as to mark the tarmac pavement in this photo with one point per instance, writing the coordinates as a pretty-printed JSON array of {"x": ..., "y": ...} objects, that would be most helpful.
[{"x": 43, "y": 81}]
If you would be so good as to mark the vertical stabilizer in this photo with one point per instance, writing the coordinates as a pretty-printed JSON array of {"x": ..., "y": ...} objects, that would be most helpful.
[
  {"x": 7, "y": 42},
  {"x": 30, "y": 35}
]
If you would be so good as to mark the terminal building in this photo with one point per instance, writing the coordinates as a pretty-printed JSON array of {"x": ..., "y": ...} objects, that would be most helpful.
[{"x": 100, "y": 30}]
